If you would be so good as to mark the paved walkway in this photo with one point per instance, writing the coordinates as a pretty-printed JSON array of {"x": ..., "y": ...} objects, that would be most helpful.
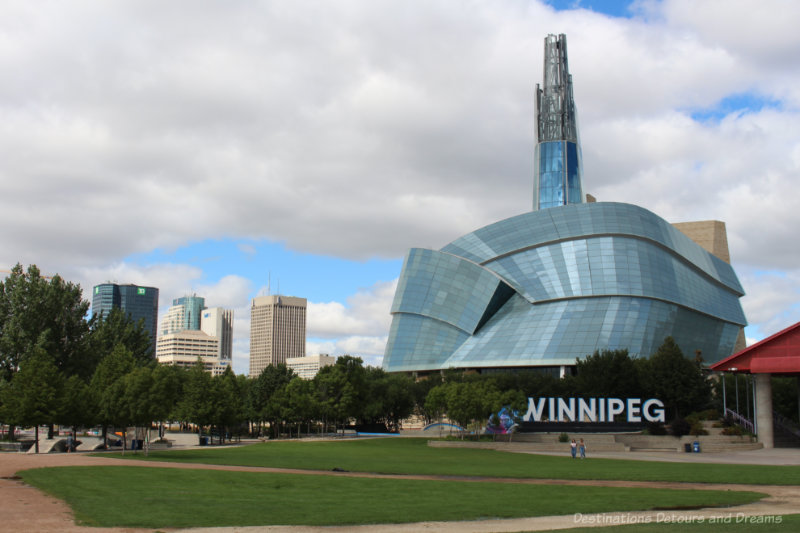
[
  {"x": 774, "y": 456},
  {"x": 26, "y": 509}
]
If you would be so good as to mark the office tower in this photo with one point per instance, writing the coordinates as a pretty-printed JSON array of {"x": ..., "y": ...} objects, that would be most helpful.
[
  {"x": 185, "y": 347},
  {"x": 557, "y": 159},
  {"x": 137, "y": 301},
  {"x": 277, "y": 331},
  {"x": 218, "y": 322},
  {"x": 183, "y": 314}
]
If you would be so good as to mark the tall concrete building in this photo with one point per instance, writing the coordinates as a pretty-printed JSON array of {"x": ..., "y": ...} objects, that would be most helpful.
[
  {"x": 277, "y": 330},
  {"x": 185, "y": 347},
  {"x": 218, "y": 322},
  {"x": 137, "y": 301}
]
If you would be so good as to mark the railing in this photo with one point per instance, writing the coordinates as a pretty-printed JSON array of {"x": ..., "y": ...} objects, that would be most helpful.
[{"x": 739, "y": 419}]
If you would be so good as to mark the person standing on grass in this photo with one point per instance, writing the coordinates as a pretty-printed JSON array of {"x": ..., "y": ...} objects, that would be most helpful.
[
  {"x": 582, "y": 447},
  {"x": 573, "y": 448}
]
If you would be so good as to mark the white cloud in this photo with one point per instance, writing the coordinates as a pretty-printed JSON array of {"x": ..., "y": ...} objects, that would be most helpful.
[
  {"x": 359, "y": 328},
  {"x": 366, "y": 313},
  {"x": 359, "y": 129}
]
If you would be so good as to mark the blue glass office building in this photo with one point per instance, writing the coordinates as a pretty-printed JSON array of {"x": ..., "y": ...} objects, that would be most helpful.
[
  {"x": 140, "y": 303},
  {"x": 547, "y": 287}
]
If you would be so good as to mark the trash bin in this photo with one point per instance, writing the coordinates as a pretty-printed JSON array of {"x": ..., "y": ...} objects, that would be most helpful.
[
  {"x": 696, "y": 447},
  {"x": 687, "y": 448},
  {"x": 203, "y": 441}
]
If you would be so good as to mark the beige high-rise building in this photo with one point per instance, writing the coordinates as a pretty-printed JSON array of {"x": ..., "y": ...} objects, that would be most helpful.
[
  {"x": 186, "y": 347},
  {"x": 308, "y": 366},
  {"x": 218, "y": 322},
  {"x": 277, "y": 331}
]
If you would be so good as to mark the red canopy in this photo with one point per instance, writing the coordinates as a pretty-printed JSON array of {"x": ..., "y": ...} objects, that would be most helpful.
[{"x": 777, "y": 354}]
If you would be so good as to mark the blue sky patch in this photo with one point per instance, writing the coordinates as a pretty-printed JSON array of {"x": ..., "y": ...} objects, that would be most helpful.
[
  {"x": 747, "y": 102},
  {"x": 315, "y": 277}
]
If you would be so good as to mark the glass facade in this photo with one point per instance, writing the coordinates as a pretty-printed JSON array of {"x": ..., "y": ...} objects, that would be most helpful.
[
  {"x": 558, "y": 174},
  {"x": 137, "y": 301},
  {"x": 547, "y": 287},
  {"x": 192, "y": 307}
]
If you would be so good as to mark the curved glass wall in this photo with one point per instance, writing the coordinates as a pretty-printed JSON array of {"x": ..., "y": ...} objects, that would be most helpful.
[{"x": 548, "y": 287}]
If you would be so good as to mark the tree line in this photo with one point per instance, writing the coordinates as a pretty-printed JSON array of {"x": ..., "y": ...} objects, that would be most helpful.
[{"x": 58, "y": 367}]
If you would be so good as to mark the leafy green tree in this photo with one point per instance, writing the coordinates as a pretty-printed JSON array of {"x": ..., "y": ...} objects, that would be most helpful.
[
  {"x": 229, "y": 407},
  {"x": 39, "y": 313},
  {"x": 118, "y": 328},
  {"x": 420, "y": 390},
  {"x": 677, "y": 381},
  {"x": 390, "y": 398},
  {"x": 436, "y": 402},
  {"x": 608, "y": 374},
  {"x": 300, "y": 404},
  {"x": 168, "y": 381},
  {"x": 108, "y": 390},
  {"x": 342, "y": 389},
  {"x": 35, "y": 394},
  {"x": 76, "y": 407},
  {"x": 472, "y": 402},
  {"x": 262, "y": 406},
  {"x": 198, "y": 403},
  {"x": 138, "y": 400}
]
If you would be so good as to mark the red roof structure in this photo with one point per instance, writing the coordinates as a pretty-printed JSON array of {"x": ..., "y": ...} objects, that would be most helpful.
[{"x": 777, "y": 354}]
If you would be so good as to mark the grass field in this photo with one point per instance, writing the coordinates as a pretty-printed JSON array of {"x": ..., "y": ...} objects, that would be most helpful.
[
  {"x": 413, "y": 456},
  {"x": 170, "y": 498}
]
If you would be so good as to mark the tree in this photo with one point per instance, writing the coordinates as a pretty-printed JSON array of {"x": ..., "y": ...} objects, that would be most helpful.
[
  {"x": 118, "y": 328},
  {"x": 168, "y": 381},
  {"x": 107, "y": 390},
  {"x": 300, "y": 404},
  {"x": 420, "y": 390},
  {"x": 39, "y": 314},
  {"x": 76, "y": 407},
  {"x": 262, "y": 390},
  {"x": 472, "y": 401},
  {"x": 199, "y": 398},
  {"x": 608, "y": 374},
  {"x": 35, "y": 394},
  {"x": 677, "y": 381},
  {"x": 342, "y": 389},
  {"x": 390, "y": 398},
  {"x": 229, "y": 408}
]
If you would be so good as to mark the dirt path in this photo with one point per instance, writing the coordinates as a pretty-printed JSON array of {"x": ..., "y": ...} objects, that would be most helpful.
[{"x": 27, "y": 509}]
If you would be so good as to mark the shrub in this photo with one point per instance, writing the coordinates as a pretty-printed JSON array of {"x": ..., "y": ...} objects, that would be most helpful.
[
  {"x": 680, "y": 427},
  {"x": 698, "y": 429},
  {"x": 655, "y": 428},
  {"x": 733, "y": 430},
  {"x": 563, "y": 438}
]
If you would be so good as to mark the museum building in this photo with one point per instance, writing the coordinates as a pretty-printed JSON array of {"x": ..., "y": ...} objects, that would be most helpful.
[{"x": 547, "y": 287}]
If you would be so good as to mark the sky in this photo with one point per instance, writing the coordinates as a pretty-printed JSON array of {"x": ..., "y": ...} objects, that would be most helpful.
[{"x": 235, "y": 149}]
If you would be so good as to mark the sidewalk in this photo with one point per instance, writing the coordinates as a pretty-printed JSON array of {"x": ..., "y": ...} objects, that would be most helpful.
[{"x": 764, "y": 456}]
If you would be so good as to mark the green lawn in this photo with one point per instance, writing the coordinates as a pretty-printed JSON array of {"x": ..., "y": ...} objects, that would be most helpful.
[
  {"x": 172, "y": 498},
  {"x": 413, "y": 456}
]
